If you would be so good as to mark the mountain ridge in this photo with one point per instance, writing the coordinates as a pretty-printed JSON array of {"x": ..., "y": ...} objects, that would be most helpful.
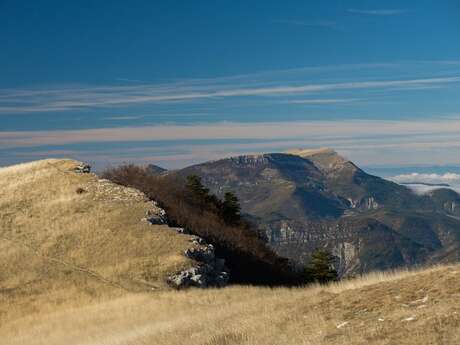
[{"x": 305, "y": 199}]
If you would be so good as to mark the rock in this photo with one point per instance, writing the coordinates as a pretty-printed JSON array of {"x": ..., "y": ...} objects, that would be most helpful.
[
  {"x": 343, "y": 324},
  {"x": 197, "y": 240},
  {"x": 181, "y": 230},
  {"x": 410, "y": 318},
  {"x": 156, "y": 216},
  {"x": 202, "y": 276},
  {"x": 82, "y": 169},
  {"x": 210, "y": 272},
  {"x": 202, "y": 254}
]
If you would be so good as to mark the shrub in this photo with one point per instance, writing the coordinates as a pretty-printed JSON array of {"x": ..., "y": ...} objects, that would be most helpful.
[
  {"x": 320, "y": 268},
  {"x": 190, "y": 205}
]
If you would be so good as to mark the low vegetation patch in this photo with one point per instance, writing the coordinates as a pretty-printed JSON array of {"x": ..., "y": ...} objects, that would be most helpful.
[{"x": 190, "y": 205}]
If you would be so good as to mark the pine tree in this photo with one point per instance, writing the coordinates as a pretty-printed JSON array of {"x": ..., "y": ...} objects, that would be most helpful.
[
  {"x": 320, "y": 268},
  {"x": 231, "y": 209},
  {"x": 196, "y": 188},
  {"x": 199, "y": 194}
]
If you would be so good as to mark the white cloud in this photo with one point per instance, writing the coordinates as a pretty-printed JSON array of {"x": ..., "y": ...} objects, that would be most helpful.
[
  {"x": 422, "y": 134},
  {"x": 415, "y": 177},
  {"x": 29, "y": 101},
  {"x": 323, "y": 101},
  {"x": 423, "y": 183},
  {"x": 367, "y": 142}
]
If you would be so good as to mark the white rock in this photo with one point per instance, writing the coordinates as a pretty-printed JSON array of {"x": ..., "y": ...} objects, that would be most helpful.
[
  {"x": 343, "y": 324},
  {"x": 410, "y": 318}
]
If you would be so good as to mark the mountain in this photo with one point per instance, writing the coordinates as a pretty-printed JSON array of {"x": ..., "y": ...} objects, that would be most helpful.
[
  {"x": 155, "y": 169},
  {"x": 305, "y": 199}
]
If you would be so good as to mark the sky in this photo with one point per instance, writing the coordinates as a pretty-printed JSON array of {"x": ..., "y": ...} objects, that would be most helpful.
[{"x": 180, "y": 82}]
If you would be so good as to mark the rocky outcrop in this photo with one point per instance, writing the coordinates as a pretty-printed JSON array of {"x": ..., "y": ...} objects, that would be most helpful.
[
  {"x": 156, "y": 215},
  {"x": 209, "y": 270},
  {"x": 201, "y": 276},
  {"x": 82, "y": 169},
  {"x": 365, "y": 204}
]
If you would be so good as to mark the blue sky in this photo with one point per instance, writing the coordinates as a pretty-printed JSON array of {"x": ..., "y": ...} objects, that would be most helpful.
[{"x": 179, "y": 82}]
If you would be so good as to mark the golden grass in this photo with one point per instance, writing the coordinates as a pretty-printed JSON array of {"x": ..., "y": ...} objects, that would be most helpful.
[
  {"x": 58, "y": 245},
  {"x": 398, "y": 308},
  {"x": 80, "y": 268}
]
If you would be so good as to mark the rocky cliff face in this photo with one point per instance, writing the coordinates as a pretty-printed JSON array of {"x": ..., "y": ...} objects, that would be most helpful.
[{"x": 305, "y": 199}]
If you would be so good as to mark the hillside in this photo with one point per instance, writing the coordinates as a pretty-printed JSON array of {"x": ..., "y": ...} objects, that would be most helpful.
[
  {"x": 305, "y": 199},
  {"x": 85, "y": 261},
  {"x": 407, "y": 308},
  {"x": 67, "y": 236}
]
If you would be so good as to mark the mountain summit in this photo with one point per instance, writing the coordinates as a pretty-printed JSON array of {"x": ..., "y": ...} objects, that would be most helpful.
[{"x": 309, "y": 198}]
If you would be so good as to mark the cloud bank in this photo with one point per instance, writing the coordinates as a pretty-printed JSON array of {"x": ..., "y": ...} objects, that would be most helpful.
[{"x": 428, "y": 178}]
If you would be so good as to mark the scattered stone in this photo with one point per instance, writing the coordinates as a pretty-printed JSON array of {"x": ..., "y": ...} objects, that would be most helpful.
[
  {"x": 82, "y": 169},
  {"x": 80, "y": 190},
  {"x": 202, "y": 276},
  {"x": 210, "y": 271},
  {"x": 156, "y": 216},
  {"x": 410, "y": 318},
  {"x": 381, "y": 319},
  {"x": 104, "y": 190},
  {"x": 181, "y": 230},
  {"x": 343, "y": 324},
  {"x": 202, "y": 254},
  {"x": 420, "y": 301},
  {"x": 196, "y": 240}
]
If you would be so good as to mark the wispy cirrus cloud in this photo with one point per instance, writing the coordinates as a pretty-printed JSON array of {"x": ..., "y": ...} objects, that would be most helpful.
[
  {"x": 377, "y": 12},
  {"x": 49, "y": 100},
  {"x": 422, "y": 133},
  {"x": 364, "y": 141},
  {"x": 323, "y": 101},
  {"x": 123, "y": 118},
  {"x": 367, "y": 142}
]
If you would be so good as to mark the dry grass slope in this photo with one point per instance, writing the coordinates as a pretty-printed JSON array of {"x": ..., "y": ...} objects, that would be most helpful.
[
  {"x": 63, "y": 246},
  {"x": 410, "y": 308},
  {"x": 79, "y": 269}
]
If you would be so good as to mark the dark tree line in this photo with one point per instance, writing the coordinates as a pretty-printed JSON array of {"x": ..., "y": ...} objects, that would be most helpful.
[
  {"x": 190, "y": 204},
  {"x": 229, "y": 209}
]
